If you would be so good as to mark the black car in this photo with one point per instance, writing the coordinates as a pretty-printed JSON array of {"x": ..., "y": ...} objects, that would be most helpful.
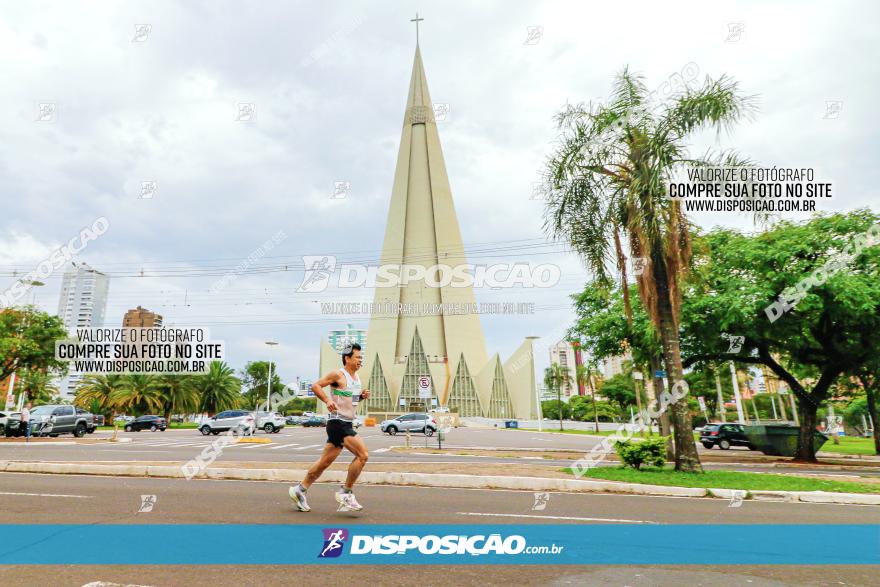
[
  {"x": 147, "y": 423},
  {"x": 724, "y": 436}
]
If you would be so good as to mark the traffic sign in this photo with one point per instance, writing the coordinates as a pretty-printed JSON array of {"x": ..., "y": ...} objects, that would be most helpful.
[
  {"x": 702, "y": 402},
  {"x": 424, "y": 387},
  {"x": 659, "y": 373}
]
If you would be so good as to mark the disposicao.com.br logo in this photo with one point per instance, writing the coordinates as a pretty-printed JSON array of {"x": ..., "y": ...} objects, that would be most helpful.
[
  {"x": 322, "y": 270},
  {"x": 431, "y": 544}
]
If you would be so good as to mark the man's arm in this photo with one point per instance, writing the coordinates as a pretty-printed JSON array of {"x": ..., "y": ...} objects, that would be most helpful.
[{"x": 319, "y": 385}]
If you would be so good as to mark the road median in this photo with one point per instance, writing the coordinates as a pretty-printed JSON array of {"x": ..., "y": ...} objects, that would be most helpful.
[{"x": 566, "y": 484}]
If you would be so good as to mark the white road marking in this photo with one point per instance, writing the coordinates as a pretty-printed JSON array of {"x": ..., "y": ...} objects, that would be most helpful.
[
  {"x": 283, "y": 446},
  {"x": 559, "y": 518},
  {"x": 45, "y": 494},
  {"x": 381, "y": 450},
  {"x": 308, "y": 446}
]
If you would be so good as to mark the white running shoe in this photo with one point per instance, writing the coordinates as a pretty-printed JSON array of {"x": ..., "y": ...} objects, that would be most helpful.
[
  {"x": 299, "y": 498},
  {"x": 347, "y": 502}
]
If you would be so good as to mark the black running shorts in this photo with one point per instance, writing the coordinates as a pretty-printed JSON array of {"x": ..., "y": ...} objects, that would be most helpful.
[{"x": 337, "y": 430}]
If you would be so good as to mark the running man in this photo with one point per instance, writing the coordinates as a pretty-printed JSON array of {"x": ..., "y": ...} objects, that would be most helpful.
[{"x": 345, "y": 394}]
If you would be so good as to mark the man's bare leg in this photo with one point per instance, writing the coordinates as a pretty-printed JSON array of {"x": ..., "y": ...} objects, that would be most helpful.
[
  {"x": 358, "y": 448},
  {"x": 326, "y": 459},
  {"x": 298, "y": 492}
]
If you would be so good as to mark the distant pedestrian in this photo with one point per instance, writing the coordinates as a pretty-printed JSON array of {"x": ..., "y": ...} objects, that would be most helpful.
[{"x": 26, "y": 421}]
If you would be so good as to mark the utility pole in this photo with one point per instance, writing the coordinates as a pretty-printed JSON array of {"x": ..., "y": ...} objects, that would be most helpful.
[
  {"x": 736, "y": 396},
  {"x": 721, "y": 409}
]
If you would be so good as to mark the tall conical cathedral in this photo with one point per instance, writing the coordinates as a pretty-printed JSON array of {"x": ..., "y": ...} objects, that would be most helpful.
[{"x": 422, "y": 229}]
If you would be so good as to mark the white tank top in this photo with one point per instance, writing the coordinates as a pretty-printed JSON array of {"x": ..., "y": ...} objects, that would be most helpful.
[{"x": 346, "y": 399}]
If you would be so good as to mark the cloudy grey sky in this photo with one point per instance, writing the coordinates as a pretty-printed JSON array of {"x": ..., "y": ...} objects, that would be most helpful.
[{"x": 328, "y": 82}]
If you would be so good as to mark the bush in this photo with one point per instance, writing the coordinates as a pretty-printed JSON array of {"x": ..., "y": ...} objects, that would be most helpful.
[
  {"x": 699, "y": 420},
  {"x": 651, "y": 452}
]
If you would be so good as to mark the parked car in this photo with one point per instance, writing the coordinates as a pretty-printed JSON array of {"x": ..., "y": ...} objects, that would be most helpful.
[
  {"x": 151, "y": 423},
  {"x": 52, "y": 420},
  {"x": 3, "y": 417},
  {"x": 99, "y": 421},
  {"x": 411, "y": 422},
  {"x": 294, "y": 420},
  {"x": 271, "y": 422},
  {"x": 314, "y": 421},
  {"x": 122, "y": 419},
  {"x": 724, "y": 436},
  {"x": 357, "y": 422},
  {"x": 241, "y": 419}
]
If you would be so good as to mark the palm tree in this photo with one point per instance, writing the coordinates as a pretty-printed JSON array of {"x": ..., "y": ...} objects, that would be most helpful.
[
  {"x": 584, "y": 376},
  {"x": 218, "y": 389},
  {"x": 179, "y": 396},
  {"x": 555, "y": 377},
  {"x": 95, "y": 392},
  {"x": 606, "y": 182},
  {"x": 37, "y": 386},
  {"x": 138, "y": 393}
]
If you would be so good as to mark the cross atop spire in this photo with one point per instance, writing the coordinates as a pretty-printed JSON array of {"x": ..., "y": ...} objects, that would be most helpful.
[{"x": 417, "y": 20}]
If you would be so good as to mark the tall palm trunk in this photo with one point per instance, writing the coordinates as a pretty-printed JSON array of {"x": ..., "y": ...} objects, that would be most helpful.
[
  {"x": 665, "y": 428},
  {"x": 686, "y": 457}
]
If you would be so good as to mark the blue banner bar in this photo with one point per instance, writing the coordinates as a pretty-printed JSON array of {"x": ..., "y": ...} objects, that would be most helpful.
[{"x": 569, "y": 544}]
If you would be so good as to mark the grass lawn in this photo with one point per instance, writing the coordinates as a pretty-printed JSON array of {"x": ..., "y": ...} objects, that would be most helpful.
[
  {"x": 850, "y": 445},
  {"x": 727, "y": 480}
]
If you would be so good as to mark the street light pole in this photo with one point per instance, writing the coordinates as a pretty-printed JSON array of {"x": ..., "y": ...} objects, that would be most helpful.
[
  {"x": 269, "y": 379},
  {"x": 736, "y": 396}
]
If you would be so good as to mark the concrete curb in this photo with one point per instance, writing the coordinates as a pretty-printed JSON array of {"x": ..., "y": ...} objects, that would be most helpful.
[{"x": 435, "y": 480}]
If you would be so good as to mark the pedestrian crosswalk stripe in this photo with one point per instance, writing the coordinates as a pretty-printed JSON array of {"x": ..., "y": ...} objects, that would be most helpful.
[
  {"x": 308, "y": 446},
  {"x": 283, "y": 446}
]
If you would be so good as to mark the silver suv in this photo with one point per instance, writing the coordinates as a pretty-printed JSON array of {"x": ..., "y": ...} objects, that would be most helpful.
[
  {"x": 240, "y": 419},
  {"x": 270, "y": 421},
  {"x": 412, "y": 422}
]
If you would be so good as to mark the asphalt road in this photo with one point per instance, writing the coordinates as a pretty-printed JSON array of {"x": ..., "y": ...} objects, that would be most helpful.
[
  {"x": 297, "y": 444},
  {"x": 28, "y": 498}
]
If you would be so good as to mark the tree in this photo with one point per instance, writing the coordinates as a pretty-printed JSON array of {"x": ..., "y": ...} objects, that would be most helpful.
[
  {"x": 27, "y": 342},
  {"x": 137, "y": 393},
  {"x": 621, "y": 391},
  {"x": 866, "y": 375},
  {"x": 96, "y": 393},
  {"x": 218, "y": 389},
  {"x": 555, "y": 377},
  {"x": 37, "y": 386},
  {"x": 254, "y": 377},
  {"x": 584, "y": 376},
  {"x": 605, "y": 185},
  {"x": 834, "y": 327},
  {"x": 178, "y": 395},
  {"x": 609, "y": 324},
  {"x": 556, "y": 409}
]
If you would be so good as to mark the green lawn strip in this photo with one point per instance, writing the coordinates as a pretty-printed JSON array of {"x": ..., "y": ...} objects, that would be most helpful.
[
  {"x": 850, "y": 446},
  {"x": 727, "y": 480}
]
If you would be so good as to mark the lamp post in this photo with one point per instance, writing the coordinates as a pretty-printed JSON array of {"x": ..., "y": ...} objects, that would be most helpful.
[{"x": 270, "y": 343}]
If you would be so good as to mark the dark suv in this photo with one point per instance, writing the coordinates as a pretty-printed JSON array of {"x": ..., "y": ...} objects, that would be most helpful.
[
  {"x": 147, "y": 423},
  {"x": 724, "y": 436}
]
